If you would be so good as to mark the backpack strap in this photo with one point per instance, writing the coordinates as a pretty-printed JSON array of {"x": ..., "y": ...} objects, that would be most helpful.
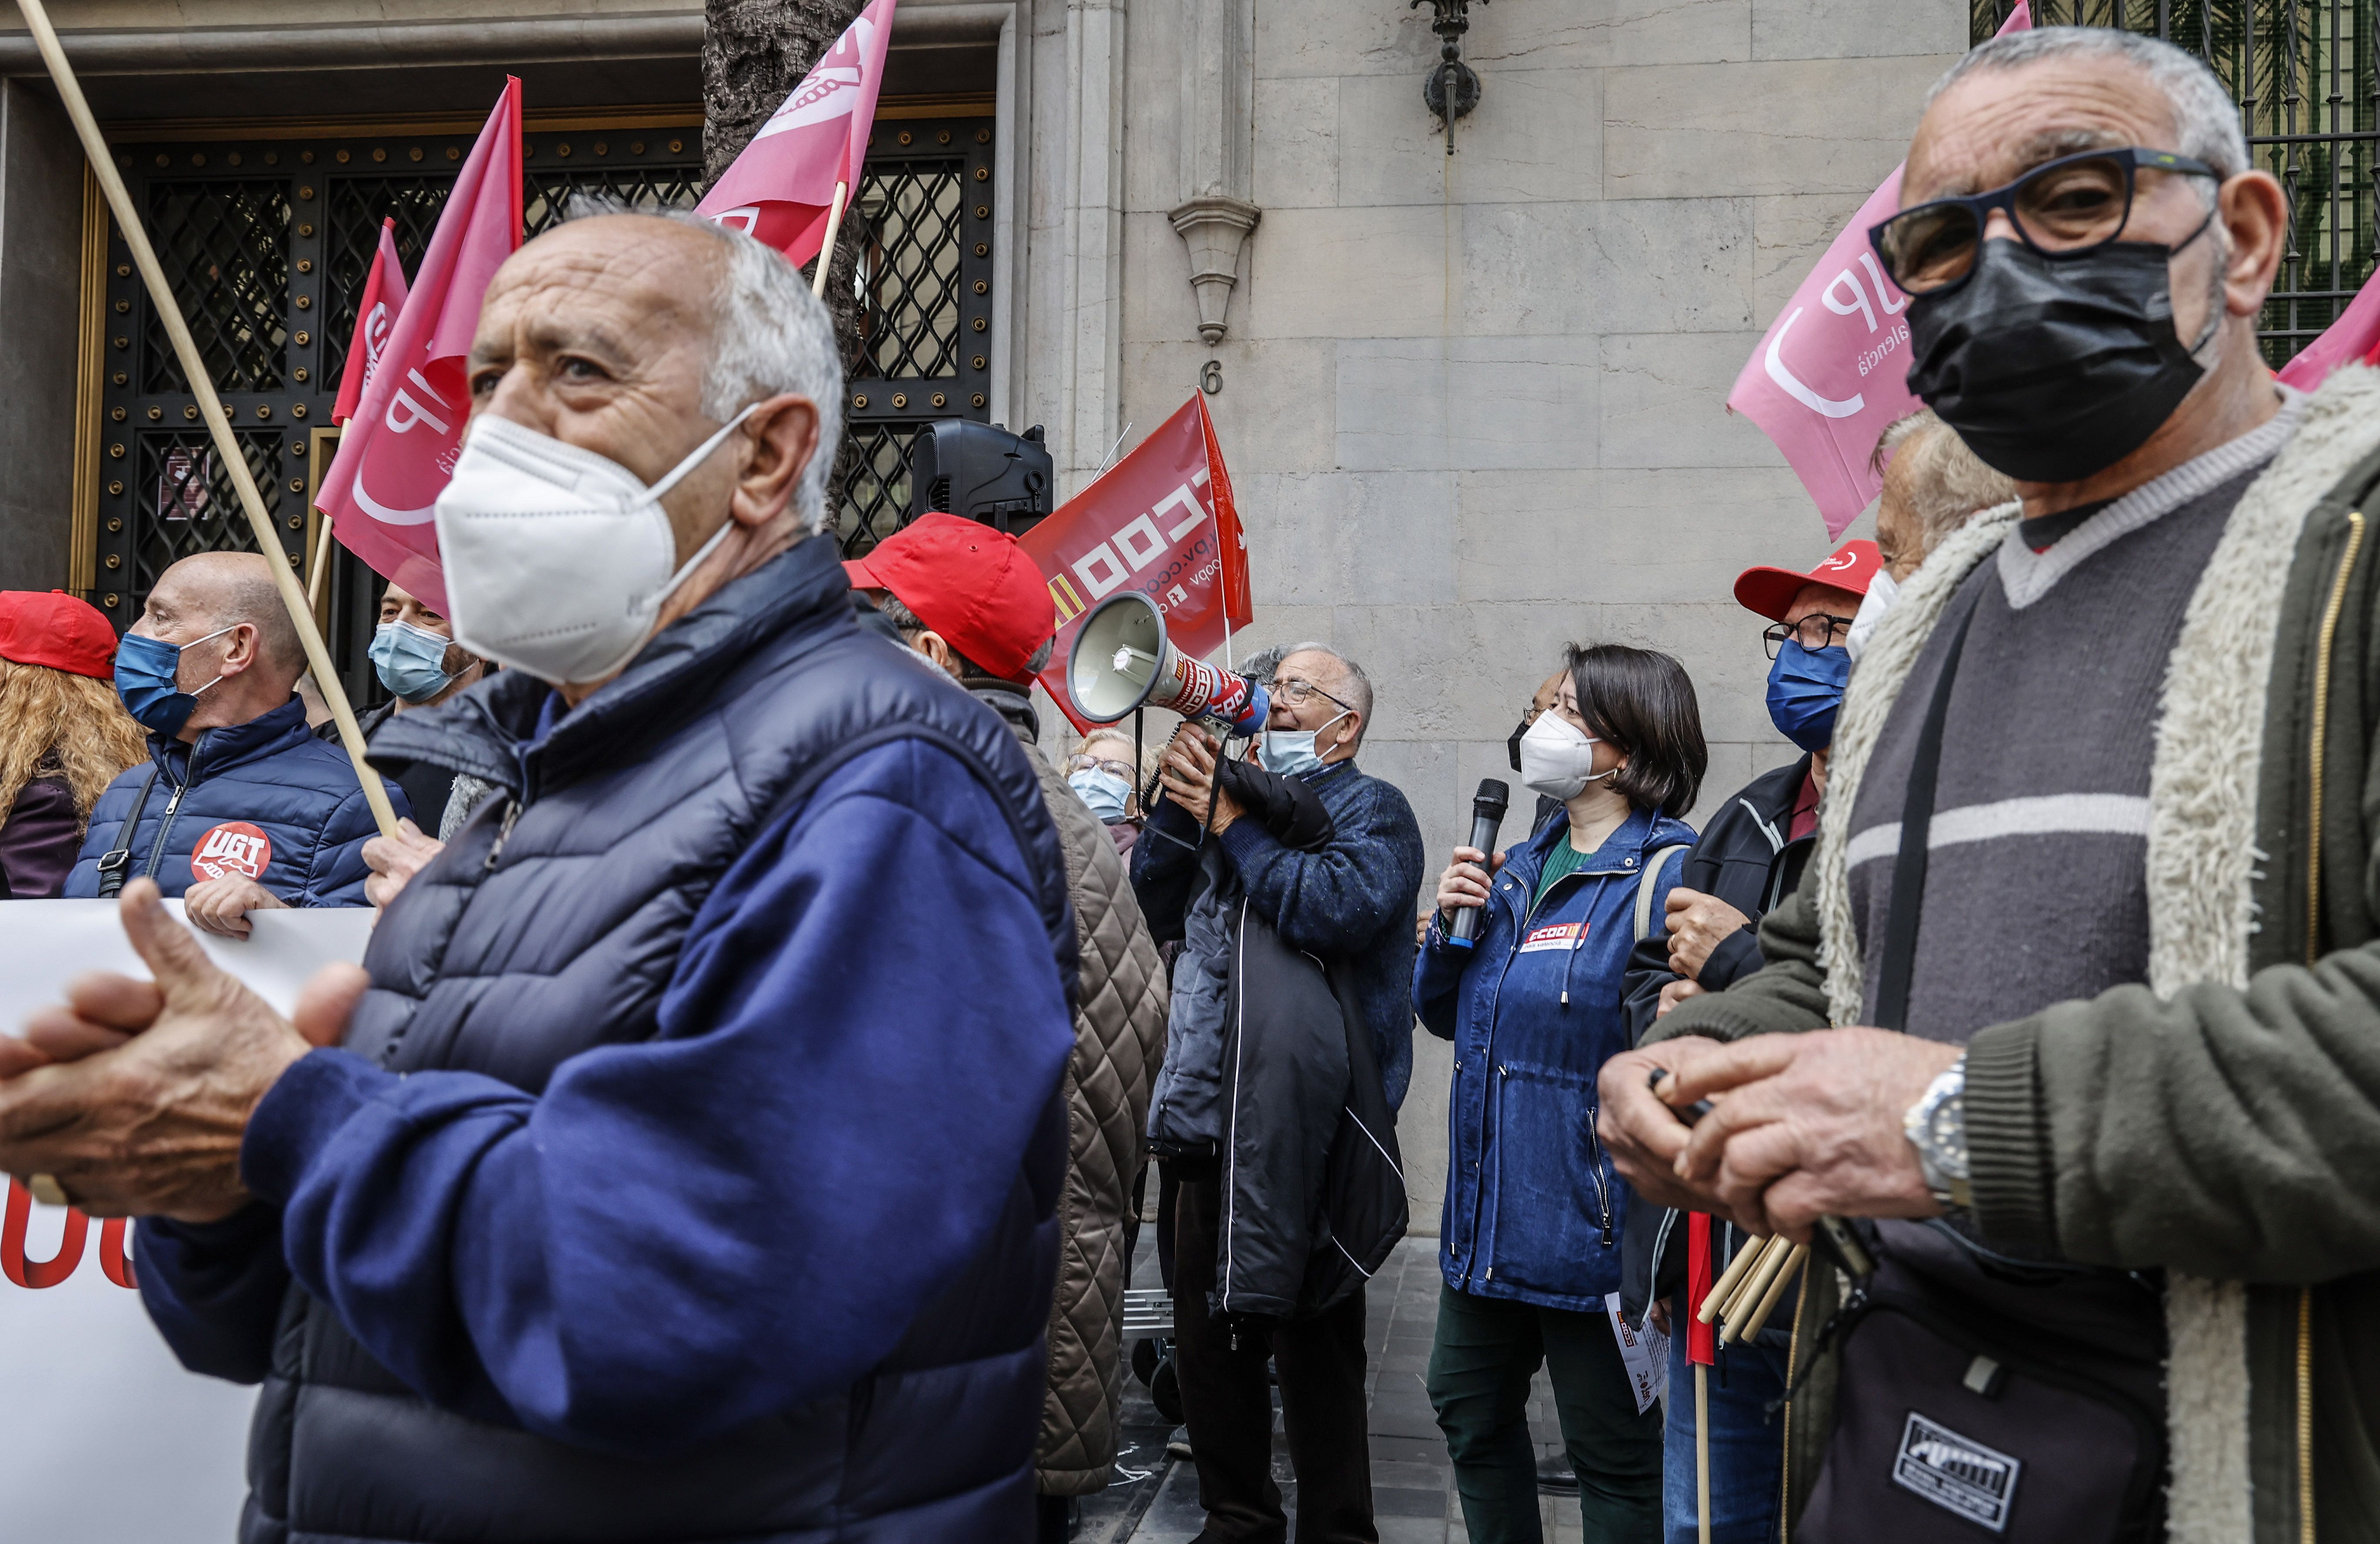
[
  {"x": 115, "y": 864},
  {"x": 1645, "y": 889}
]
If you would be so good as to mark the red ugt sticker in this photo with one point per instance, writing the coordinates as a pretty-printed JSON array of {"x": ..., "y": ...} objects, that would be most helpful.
[{"x": 233, "y": 847}]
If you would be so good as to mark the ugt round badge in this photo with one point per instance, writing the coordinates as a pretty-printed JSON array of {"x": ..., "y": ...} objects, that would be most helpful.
[{"x": 233, "y": 847}]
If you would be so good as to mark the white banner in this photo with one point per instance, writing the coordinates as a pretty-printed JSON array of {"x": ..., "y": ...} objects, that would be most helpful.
[{"x": 104, "y": 1437}]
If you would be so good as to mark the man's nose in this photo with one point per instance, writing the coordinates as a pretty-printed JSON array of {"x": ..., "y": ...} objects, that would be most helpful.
[{"x": 1997, "y": 226}]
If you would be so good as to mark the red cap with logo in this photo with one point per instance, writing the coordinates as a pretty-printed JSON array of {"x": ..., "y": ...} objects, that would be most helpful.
[
  {"x": 969, "y": 582},
  {"x": 1770, "y": 591},
  {"x": 53, "y": 629}
]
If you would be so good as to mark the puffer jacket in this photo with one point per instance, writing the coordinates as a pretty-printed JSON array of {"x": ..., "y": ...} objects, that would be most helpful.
[
  {"x": 264, "y": 798},
  {"x": 1118, "y": 1040}
]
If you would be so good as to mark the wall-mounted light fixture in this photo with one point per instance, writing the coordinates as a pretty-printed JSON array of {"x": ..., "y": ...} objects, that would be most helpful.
[{"x": 1452, "y": 89}]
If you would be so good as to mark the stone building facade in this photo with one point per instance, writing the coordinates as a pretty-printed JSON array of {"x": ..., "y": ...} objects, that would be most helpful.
[{"x": 1472, "y": 404}]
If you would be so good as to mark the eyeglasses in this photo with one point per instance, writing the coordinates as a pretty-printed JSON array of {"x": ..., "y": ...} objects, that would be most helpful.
[
  {"x": 1297, "y": 693},
  {"x": 1815, "y": 631},
  {"x": 2062, "y": 208},
  {"x": 1100, "y": 763}
]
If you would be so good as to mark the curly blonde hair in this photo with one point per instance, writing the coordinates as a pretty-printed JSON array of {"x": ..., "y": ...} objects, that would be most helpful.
[{"x": 56, "y": 724}]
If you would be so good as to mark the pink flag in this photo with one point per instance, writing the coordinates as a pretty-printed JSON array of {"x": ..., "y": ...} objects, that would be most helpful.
[
  {"x": 1146, "y": 524},
  {"x": 396, "y": 457},
  {"x": 2355, "y": 335},
  {"x": 781, "y": 188},
  {"x": 1834, "y": 370},
  {"x": 375, "y": 317}
]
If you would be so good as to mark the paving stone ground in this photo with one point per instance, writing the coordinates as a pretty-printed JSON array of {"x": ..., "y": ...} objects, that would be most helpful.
[{"x": 1155, "y": 1499}]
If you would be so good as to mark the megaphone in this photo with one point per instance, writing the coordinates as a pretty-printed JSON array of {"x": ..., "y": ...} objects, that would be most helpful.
[{"x": 1122, "y": 660}]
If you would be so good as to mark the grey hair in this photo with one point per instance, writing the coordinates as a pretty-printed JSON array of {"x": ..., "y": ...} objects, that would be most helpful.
[
  {"x": 1944, "y": 483},
  {"x": 2205, "y": 119},
  {"x": 770, "y": 335},
  {"x": 1352, "y": 679},
  {"x": 909, "y": 621}
]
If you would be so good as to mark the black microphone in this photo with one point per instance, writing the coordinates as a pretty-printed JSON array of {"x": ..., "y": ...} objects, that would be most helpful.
[{"x": 1486, "y": 813}]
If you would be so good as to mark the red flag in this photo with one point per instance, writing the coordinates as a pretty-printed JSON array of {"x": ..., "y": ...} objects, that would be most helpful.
[
  {"x": 781, "y": 188},
  {"x": 396, "y": 457},
  {"x": 1702, "y": 1340},
  {"x": 1160, "y": 521},
  {"x": 375, "y": 318}
]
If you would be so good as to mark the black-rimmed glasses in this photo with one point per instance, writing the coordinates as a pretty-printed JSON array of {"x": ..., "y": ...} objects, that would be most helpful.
[
  {"x": 2061, "y": 208},
  {"x": 1814, "y": 632}
]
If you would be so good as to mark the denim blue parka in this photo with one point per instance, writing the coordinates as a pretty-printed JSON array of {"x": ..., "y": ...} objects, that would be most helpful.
[{"x": 1532, "y": 1206}]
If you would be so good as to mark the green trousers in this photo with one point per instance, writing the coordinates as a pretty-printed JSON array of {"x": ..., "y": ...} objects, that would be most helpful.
[{"x": 1485, "y": 1352}]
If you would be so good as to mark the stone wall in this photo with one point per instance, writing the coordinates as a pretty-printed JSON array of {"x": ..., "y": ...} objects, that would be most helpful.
[{"x": 1474, "y": 405}]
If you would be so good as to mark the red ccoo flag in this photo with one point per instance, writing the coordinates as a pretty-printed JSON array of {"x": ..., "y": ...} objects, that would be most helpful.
[
  {"x": 781, "y": 189},
  {"x": 396, "y": 457},
  {"x": 1702, "y": 1340},
  {"x": 375, "y": 318},
  {"x": 1160, "y": 521}
]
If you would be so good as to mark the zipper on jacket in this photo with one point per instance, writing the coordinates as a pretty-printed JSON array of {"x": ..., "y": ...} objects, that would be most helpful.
[
  {"x": 1595, "y": 1167},
  {"x": 165, "y": 822},
  {"x": 511, "y": 813},
  {"x": 2321, "y": 727}
]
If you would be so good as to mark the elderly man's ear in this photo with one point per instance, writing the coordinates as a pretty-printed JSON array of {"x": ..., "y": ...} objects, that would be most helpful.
[
  {"x": 2255, "y": 213},
  {"x": 784, "y": 435}
]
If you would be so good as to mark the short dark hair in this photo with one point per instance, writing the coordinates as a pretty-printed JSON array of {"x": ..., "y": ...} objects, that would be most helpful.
[{"x": 1643, "y": 701}]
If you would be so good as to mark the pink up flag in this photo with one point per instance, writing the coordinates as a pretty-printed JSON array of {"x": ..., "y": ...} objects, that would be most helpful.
[
  {"x": 1833, "y": 371},
  {"x": 375, "y": 318},
  {"x": 396, "y": 457},
  {"x": 2355, "y": 335},
  {"x": 781, "y": 188}
]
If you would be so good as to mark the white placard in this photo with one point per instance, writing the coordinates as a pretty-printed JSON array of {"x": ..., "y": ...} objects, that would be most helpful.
[
  {"x": 104, "y": 1437},
  {"x": 44, "y": 944},
  {"x": 1645, "y": 1354}
]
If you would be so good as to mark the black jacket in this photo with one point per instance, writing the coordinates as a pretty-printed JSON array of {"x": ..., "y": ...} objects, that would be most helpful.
[{"x": 1746, "y": 858}]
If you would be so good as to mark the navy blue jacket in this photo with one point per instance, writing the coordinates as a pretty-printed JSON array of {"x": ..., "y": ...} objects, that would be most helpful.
[
  {"x": 1533, "y": 1208},
  {"x": 690, "y": 1170},
  {"x": 1350, "y": 904},
  {"x": 270, "y": 773}
]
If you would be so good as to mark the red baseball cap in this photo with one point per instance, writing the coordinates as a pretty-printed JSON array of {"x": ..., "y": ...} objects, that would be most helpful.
[
  {"x": 969, "y": 582},
  {"x": 52, "y": 627},
  {"x": 1770, "y": 591}
]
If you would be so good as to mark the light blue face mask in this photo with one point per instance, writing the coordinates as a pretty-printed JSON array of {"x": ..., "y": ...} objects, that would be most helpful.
[
  {"x": 1290, "y": 752},
  {"x": 1109, "y": 796},
  {"x": 411, "y": 661}
]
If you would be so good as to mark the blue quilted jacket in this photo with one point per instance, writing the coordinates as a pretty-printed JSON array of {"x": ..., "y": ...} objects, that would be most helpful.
[{"x": 265, "y": 798}]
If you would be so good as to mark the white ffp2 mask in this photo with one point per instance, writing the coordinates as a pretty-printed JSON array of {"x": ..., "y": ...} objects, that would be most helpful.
[
  {"x": 557, "y": 559},
  {"x": 1882, "y": 590},
  {"x": 1558, "y": 759}
]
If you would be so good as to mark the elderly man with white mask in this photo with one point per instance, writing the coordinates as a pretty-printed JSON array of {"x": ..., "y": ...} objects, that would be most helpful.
[
  {"x": 659, "y": 1177},
  {"x": 2100, "y": 843}
]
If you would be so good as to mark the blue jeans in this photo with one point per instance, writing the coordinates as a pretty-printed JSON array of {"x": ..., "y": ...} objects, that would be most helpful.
[{"x": 1747, "y": 1444}]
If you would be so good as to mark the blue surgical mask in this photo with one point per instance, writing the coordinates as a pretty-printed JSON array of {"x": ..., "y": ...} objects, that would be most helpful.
[
  {"x": 411, "y": 661},
  {"x": 147, "y": 673},
  {"x": 1290, "y": 752},
  {"x": 1806, "y": 692},
  {"x": 1108, "y": 794}
]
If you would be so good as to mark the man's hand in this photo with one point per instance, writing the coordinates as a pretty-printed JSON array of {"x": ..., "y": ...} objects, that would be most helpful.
[
  {"x": 135, "y": 1095},
  {"x": 1698, "y": 924},
  {"x": 1808, "y": 1125},
  {"x": 1188, "y": 769},
  {"x": 222, "y": 906},
  {"x": 1643, "y": 1134},
  {"x": 1674, "y": 993},
  {"x": 396, "y": 859}
]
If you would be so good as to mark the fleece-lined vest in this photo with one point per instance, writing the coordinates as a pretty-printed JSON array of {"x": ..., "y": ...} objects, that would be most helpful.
[{"x": 550, "y": 927}]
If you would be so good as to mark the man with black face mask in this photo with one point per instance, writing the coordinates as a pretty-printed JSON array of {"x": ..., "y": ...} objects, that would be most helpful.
[{"x": 2098, "y": 842}]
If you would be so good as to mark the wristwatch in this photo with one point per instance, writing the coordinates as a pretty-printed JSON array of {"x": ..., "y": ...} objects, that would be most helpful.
[{"x": 1937, "y": 1127}]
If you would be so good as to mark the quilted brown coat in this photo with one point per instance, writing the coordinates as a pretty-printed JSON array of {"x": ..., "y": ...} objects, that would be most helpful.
[{"x": 1119, "y": 1039}]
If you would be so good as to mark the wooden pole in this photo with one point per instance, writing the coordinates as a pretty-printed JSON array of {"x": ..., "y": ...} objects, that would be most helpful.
[
  {"x": 1724, "y": 1288},
  {"x": 833, "y": 229},
  {"x": 1702, "y": 1453},
  {"x": 321, "y": 576},
  {"x": 202, "y": 386},
  {"x": 1793, "y": 1264},
  {"x": 1756, "y": 1288}
]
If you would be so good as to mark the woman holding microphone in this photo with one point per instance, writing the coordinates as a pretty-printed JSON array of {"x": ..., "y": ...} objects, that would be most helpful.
[{"x": 1529, "y": 1245}]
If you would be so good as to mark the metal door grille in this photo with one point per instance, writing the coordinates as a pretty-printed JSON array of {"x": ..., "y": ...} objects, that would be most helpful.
[
  {"x": 224, "y": 245},
  {"x": 2303, "y": 74},
  {"x": 924, "y": 290},
  {"x": 188, "y": 500}
]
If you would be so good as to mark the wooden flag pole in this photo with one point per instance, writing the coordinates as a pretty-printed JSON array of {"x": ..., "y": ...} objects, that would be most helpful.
[
  {"x": 316, "y": 581},
  {"x": 833, "y": 229},
  {"x": 1724, "y": 1288},
  {"x": 1793, "y": 1264},
  {"x": 194, "y": 368},
  {"x": 1702, "y": 1453}
]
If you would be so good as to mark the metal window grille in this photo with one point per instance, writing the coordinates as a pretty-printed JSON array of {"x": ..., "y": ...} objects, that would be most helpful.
[{"x": 2303, "y": 74}]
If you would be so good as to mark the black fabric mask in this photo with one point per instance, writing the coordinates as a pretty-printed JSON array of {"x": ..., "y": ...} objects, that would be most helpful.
[{"x": 2052, "y": 369}]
